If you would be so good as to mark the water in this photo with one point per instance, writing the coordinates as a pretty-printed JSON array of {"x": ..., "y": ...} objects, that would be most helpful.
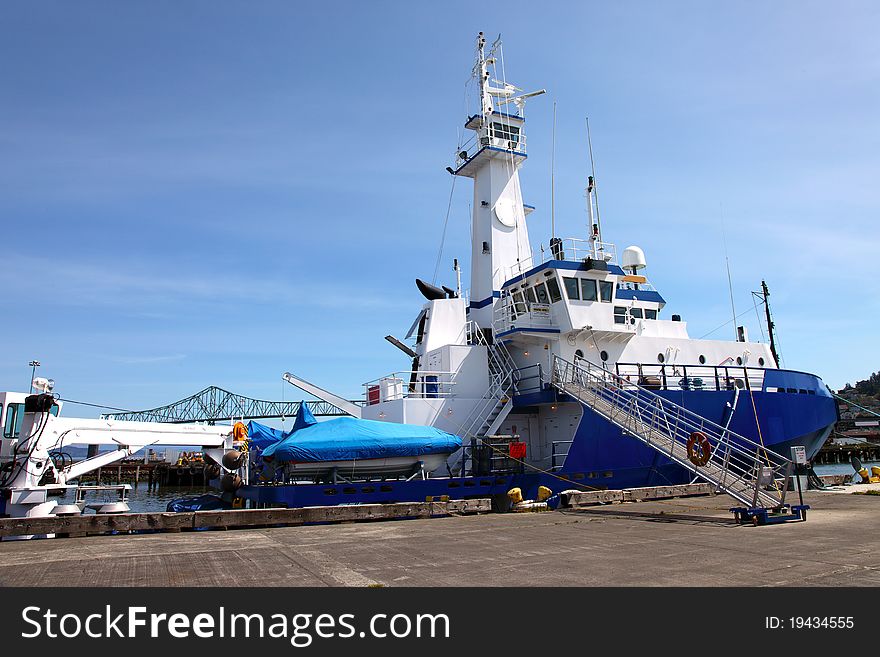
[
  {"x": 142, "y": 500},
  {"x": 841, "y": 468}
]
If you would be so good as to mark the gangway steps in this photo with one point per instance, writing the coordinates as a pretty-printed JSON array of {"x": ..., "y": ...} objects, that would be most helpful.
[
  {"x": 734, "y": 464},
  {"x": 742, "y": 490}
]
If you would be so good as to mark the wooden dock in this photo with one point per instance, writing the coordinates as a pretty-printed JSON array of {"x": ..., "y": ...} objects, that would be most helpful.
[
  {"x": 124, "y": 523},
  {"x": 842, "y": 453},
  {"x": 155, "y": 473},
  {"x": 167, "y": 522},
  {"x": 691, "y": 541},
  {"x": 587, "y": 498}
]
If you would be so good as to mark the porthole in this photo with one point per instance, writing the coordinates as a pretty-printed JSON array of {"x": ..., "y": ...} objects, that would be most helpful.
[
  {"x": 761, "y": 362},
  {"x": 578, "y": 354},
  {"x": 739, "y": 360},
  {"x": 603, "y": 355},
  {"x": 660, "y": 358},
  {"x": 702, "y": 359}
]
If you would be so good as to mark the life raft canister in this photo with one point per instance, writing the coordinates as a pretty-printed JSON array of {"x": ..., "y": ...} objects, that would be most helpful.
[{"x": 699, "y": 449}]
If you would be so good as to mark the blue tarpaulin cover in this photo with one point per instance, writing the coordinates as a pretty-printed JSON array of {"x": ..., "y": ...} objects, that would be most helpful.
[
  {"x": 201, "y": 503},
  {"x": 348, "y": 438},
  {"x": 262, "y": 436},
  {"x": 259, "y": 435},
  {"x": 304, "y": 418}
]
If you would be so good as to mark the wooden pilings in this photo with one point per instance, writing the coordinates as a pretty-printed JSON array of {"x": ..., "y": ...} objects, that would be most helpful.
[
  {"x": 831, "y": 454},
  {"x": 156, "y": 474}
]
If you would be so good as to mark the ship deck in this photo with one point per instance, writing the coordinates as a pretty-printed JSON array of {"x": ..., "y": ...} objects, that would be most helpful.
[{"x": 687, "y": 541}]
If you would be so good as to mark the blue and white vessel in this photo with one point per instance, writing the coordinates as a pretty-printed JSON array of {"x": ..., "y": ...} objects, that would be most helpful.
[{"x": 561, "y": 367}]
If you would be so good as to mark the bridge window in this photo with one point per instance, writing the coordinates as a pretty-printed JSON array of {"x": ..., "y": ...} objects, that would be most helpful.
[
  {"x": 650, "y": 313},
  {"x": 572, "y": 289},
  {"x": 636, "y": 313},
  {"x": 606, "y": 290},
  {"x": 530, "y": 295},
  {"x": 14, "y": 417},
  {"x": 588, "y": 289},
  {"x": 553, "y": 288},
  {"x": 506, "y": 131},
  {"x": 541, "y": 293},
  {"x": 519, "y": 303},
  {"x": 619, "y": 315}
]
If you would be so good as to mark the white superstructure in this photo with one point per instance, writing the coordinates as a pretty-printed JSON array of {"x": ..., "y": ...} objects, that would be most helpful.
[{"x": 573, "y": 300}]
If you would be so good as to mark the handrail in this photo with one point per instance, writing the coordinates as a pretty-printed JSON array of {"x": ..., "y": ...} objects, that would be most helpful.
[
  {"x": 671, "y": 376},
  {"x": 736, "y": 464},
  {"x": 569, "y": 249},
  {"x": 502, "y": 383},
  {"x": 487, "y": 137},
  {"x": 412, "y": 384}
]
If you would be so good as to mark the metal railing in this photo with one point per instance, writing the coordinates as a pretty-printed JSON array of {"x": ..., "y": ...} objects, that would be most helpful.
[
  {"x": 512, "y": 312},
  {"x": 737, "y": 465},
  {"x": 486, "y": 137},
  {"x": 572, "y": 249},
  {"x": 691, "y": 377},
  {"x": 411, "y": 384},
  {"x": 529, "y": 379},
  {"x": 502, "y": 385}
]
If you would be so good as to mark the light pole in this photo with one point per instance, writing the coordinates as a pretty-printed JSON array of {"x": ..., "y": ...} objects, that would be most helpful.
[{"x": 34, "y": 365}]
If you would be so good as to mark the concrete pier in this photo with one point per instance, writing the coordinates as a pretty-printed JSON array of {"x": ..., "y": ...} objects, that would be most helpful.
[{"x": 672, "y": 542}]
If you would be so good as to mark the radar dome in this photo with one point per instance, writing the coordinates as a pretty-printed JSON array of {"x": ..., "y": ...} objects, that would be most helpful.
[{"x": 633, "y": 259}]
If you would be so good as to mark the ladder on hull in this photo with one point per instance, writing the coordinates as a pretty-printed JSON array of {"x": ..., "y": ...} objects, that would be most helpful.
[{"x": 745, "y": 470}]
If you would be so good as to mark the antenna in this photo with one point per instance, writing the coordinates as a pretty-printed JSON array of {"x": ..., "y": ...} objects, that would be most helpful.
[
  {"x": 729, "y": 281},
  {"x": 595, "y": 190},
  {"x": 553, "y": 178}
]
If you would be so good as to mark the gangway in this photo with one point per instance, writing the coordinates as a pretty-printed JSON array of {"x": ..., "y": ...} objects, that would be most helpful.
[{"x": 747, "y": 471}]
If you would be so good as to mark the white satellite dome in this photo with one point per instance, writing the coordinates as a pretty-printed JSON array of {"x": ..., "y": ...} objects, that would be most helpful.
[{"x": 633, "y": 259}]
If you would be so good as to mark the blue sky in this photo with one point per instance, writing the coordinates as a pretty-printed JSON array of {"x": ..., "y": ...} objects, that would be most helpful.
[{"x": 197, "y": 193}]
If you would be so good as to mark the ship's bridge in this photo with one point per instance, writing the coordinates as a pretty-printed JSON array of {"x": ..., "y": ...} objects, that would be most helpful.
[{"x": 579, "y": 284}]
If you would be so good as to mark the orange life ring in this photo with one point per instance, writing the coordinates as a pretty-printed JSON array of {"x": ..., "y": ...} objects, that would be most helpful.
[
  {"x": 699, "y": 448},
  {"x": 239, "y": 431}
]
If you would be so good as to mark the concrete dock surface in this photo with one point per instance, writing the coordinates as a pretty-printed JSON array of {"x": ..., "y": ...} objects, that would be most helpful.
[{"x": 678, "y": 542}]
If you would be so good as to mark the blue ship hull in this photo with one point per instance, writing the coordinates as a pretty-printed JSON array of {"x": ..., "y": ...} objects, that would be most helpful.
[{"x": 601, "y": 456}]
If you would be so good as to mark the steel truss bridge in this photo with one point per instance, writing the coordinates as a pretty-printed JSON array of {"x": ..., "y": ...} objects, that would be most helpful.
[{"x": 213, "y": 404}]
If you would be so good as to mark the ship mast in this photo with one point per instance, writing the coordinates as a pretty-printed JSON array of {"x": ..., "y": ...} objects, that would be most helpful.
[
  {"x": 595, "y": 229},
  {"x": 492, "y": 155},
  {"x": 771, "y": 327}
]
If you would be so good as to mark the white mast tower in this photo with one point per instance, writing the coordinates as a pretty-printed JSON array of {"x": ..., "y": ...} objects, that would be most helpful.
[{"x": 492, "y": 157}]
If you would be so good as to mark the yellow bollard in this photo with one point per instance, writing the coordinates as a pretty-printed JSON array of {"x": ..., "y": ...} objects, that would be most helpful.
[{"x": 515, "y": 495}]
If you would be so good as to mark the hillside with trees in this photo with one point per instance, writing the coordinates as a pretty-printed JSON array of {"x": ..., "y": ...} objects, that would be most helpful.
[{"x": 864, "y": 393}]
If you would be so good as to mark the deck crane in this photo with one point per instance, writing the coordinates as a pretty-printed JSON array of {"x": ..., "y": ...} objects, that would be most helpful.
[{"x": 31, "y": 481}]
